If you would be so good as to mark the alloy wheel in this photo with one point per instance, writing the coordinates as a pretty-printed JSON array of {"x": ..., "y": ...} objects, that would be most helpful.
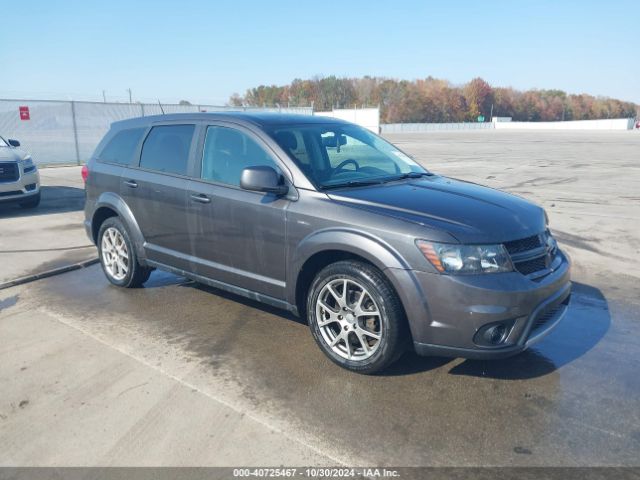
[
  {"x": 115, "y": 255},
  {"x": 349, "y": 319}
]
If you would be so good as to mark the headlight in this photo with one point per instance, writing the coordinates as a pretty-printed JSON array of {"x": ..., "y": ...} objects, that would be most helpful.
[
  {"x": 551, "y": 243},
  {"x": 466, "y": 259},
  {"x": 28, "y": 165}
]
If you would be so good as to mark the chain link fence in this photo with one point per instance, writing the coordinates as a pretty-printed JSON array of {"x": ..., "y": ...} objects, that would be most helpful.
[{"x": 67, "y": 132}]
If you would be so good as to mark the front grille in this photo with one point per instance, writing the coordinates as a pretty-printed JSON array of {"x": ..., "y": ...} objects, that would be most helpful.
[
  {"x": 548, "y": 315},
  {"x": 533, "y": 265},
  {"x": 531, "y": 254},
  {"x": 9, "y": 172},
  {"x": 543, "y": 319},
  {"x": 10, "y": 194},
  {"x": 519, "y": 246}
]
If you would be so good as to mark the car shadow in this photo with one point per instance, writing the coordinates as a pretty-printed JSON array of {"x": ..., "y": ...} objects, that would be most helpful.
[
  {"x": 54, "y": 199},
  {"x": 411, "y": 363},
  {"x": 247, "y": 302},
  {"x": 161, "y": 278}
]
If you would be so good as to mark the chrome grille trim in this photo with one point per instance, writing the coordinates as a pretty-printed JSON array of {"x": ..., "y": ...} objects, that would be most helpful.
[{"x": 531, "y": 256}]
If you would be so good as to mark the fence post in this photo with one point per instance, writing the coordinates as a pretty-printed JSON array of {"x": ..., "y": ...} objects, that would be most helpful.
[
  {"x": 142, "y": 108},
  {"x": 75, "y": 130}
]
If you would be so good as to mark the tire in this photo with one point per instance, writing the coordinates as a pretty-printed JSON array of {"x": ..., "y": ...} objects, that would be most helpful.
[
  {"x": 357, "y": 325},
  {"x": 123, "y": 272},
  {"x": 33, "y": 202}
]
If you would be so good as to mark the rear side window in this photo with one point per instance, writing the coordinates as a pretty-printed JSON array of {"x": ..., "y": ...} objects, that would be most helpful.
[
  {"x": 122, "y": 146},
  {"x": 166, "y": 149}
]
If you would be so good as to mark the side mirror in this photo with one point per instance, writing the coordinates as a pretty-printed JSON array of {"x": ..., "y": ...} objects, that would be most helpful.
[
  {"x": 13, "y": 143},
  {"x": 263, "y": 179}
]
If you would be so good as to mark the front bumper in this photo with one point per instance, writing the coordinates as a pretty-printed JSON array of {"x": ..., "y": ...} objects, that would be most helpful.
[
  {"x": 27, "y": 185},
  {"x": 446, "y": 311},
  {"x": 557, "y": 306}
]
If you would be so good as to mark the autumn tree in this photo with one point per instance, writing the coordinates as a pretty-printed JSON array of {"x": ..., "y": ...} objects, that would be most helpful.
[
  {"x": 479, "y": 97},
  {"x": 435, "y": 100}
]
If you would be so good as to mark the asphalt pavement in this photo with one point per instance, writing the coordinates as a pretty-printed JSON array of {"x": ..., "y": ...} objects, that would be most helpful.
[{"x": 49, "y": 237}]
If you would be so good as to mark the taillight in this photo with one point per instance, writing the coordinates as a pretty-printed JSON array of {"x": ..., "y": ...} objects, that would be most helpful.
[{"x": 85, "y": 173}]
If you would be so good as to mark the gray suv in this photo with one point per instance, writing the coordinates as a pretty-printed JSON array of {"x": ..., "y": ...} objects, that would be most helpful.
[{"x": 331, "y": 222}]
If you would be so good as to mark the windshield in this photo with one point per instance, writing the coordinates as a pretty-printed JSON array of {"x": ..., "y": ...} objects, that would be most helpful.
[
  {"x": 3, "y": 142},
  {"x": 334, "y": 155}
]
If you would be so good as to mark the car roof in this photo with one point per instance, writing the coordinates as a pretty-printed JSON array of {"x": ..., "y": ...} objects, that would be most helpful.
[{"x": 261, "y": 119}]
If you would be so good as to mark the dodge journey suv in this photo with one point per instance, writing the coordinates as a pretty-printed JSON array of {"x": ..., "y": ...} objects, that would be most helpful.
[{"x": 331, "y": 222}]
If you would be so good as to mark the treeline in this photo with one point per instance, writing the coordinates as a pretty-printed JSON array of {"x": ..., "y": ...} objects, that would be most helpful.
[{"x": 435, "y": 100}]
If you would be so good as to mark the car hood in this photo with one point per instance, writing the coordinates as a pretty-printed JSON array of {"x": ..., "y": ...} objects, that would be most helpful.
[
  {"x": 8, "y": 154},
  {"x": 469, "y": 212}
]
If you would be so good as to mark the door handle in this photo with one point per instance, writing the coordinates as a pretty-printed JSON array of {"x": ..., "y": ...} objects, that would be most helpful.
[
  {"x": 200, "y": 198},
  {"x": 131, "y": 183}
]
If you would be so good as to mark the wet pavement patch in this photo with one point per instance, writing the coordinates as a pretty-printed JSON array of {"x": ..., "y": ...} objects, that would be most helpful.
[{"x": 8, "y": 302}]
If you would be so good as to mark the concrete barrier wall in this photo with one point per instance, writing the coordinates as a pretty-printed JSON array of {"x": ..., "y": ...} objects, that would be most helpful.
[
  {"x": 605, "y": 124},
  {"x": 431, "y": 127}
]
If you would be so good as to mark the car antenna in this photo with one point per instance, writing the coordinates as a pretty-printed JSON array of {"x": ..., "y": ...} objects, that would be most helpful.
[{"x": 160, "y": 105}]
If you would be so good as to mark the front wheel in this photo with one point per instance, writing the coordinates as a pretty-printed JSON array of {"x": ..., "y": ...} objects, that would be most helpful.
[
  {"x": 356, "y": 318},
  {"x": 118, "y": 257}
]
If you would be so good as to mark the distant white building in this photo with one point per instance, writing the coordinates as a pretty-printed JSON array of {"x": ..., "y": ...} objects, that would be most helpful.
[{"x": 365, "y": 117}]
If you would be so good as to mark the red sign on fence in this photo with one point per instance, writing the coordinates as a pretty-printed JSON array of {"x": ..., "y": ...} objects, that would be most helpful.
[{"x": 24, "y": 113}]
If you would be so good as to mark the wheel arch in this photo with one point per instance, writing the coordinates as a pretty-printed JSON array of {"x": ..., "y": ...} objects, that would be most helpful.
[
  {"x": 111, "y": 205},
  {"x": 329, "y": 246}
]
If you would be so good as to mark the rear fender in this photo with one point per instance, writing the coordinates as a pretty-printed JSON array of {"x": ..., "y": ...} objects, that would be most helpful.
[{"x": 118, "y": 205}]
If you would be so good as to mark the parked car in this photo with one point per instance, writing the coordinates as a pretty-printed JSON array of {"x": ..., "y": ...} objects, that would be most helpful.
[
  {"x": 19, "y": 177},
  {"x": 331, "y": 222}
]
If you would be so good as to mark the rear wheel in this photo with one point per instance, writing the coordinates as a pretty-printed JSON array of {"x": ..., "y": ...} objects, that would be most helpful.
[
  {"x": 118, "y": 257},
  {"x": 33, "y": 202},
  {"x": 355, "y": 317}
]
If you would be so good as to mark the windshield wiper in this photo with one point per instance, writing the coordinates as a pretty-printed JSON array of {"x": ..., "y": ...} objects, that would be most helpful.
[
  {"x": 352, "y": 183},
  {"x": 362, "y": 183},
  {"x": 409, "y": 175}
]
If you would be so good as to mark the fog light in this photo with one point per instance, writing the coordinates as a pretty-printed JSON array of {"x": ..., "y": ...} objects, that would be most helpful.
[{"x": 493, "y": 334}]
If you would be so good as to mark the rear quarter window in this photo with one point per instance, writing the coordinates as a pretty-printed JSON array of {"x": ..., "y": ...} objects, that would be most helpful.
[
  {"x": 122, "y": 147},
  {"x": 166, "y": 149}
]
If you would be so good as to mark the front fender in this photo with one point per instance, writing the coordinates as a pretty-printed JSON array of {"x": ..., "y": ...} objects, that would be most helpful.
[
  {"x": 367, "y": 246},
  {"x": 379, "y": 253},
  {"x": 114, "y": 202}
]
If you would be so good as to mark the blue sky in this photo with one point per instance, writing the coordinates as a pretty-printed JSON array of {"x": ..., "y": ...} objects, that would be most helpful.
[{"x": 204, "y": 51}]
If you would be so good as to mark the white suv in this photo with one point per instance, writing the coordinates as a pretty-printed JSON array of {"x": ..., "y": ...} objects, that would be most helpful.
[{"x": 19, "y": 178}]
